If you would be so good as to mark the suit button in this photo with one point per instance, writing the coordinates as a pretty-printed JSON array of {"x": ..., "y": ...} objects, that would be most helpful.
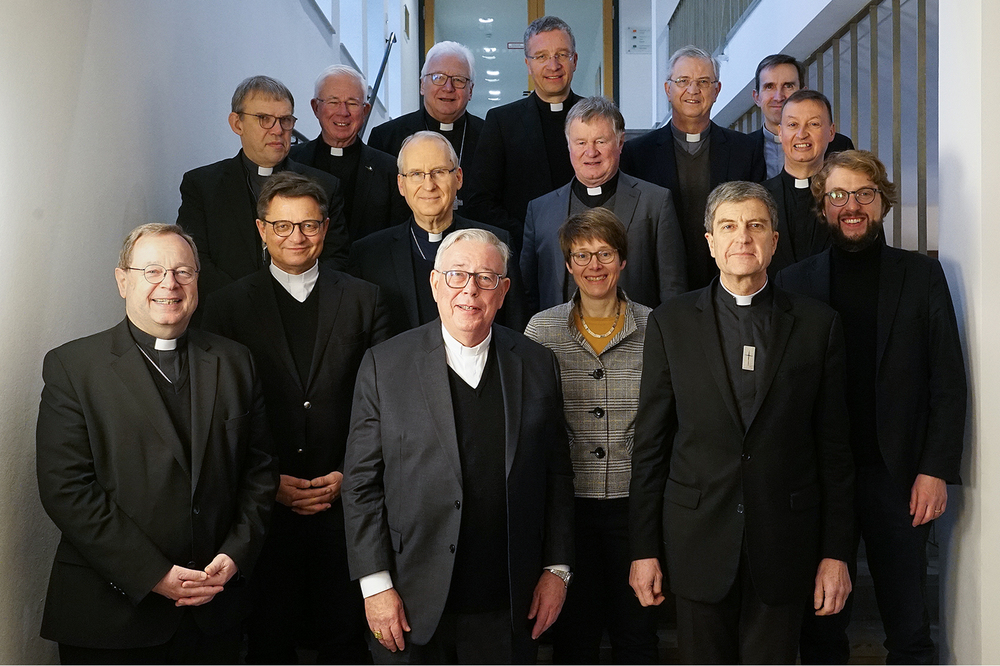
[
  {"x": 598, "y": 374},
  {"x": 739, "y": 508},
  {"x": 191, "y": 564},
  {"x": 197, "y": 510},
  {"x": 746, "y": 456},
  {"x": 301, "y": 450},
  {"x": 598, "y": 412},
  {"x": 458, "y": 505},
  {"x": 451, "y": 548},
  {"x": 598, "y": 452},
  {"x": 307, "y": 404}
]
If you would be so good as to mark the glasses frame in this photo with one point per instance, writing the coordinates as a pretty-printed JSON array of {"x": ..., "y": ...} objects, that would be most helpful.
[
  {"x": 418, "y": 177},
  {"x": 301, "y": 228},
  {"x": 874, "y": 190},
  {"x": 448, "y": 275},
  {"x": 177, "y": 278},
  {"x": 561, "y": 58},
  {"x": 590, "y": 256},
  {"x": 701, "y": 84},
  {"x": 465, "y": 81},
  {"x": 353, "y": 105},
  {"x": 281, "y": 120}
]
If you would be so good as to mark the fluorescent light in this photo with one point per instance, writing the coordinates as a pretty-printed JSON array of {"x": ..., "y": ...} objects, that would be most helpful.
[
  {"x": 486, "y": 20},
  {"x": 493, "y": 92},
  {"x": 492, "y": 72}
]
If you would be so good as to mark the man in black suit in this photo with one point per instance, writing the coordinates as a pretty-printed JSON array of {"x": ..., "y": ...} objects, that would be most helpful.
[
  {"x": 154, "y": 462},
  {"x": 367, "y": 176},
  {"x": 595, "y": 131},
  {"x": 907, "y": 399},
  {"x": 691, "y": 155},
  {"x": 458, "y": 488},
  {"x": 806, "y": 131},
  {"x": 219, "y": 201},
  {"x": 308, "y": 327},
  {"x": 776, "y": 78},
  {"x": 522, "y": 151},
  {"x": 446, "y": 82},
  {"x": 400, "y": 259},
  {"x": 742, "y": 469}
]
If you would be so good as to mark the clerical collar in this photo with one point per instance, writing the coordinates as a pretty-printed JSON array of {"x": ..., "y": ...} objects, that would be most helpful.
[
  {"x": 348, "y": 150},
  {"x": 435, "y": 125},
  {"x": 595, "y": 196},
  {"x": 299, "y": 286},
  {"x": 768, "y": 135},
  {"x": 152, "y": 343},
  {"x": 557, "y": 107},
  {"x": 257, "y": 169},
  {"x": 797, "y": 183},
  {"x": 467, "y": 362},
  {"x": 336, "y": 152},
  {"x": 744, "y": 300}
]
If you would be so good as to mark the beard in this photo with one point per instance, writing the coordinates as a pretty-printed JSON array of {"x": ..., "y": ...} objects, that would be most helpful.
[{"x": 862, "y": 242}]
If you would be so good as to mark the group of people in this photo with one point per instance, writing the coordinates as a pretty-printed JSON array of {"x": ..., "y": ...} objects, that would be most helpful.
[{"x": 320, "y": 424}]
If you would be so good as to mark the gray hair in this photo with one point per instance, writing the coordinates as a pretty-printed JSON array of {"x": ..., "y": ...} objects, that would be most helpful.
[
  {"x": 548, "y": 24},
  {"x": 476, "y": 236},
  {"x": 426, "y": 134},
  {"x": 153, "y": 229},
  {"x": 452, "y": 49},
  {"x": 264, "y": 86},
  {"x": 589, "y": 108},
  {"x": 342, "y": 70},
  {"x": 693, "y": 52},
  {"x": 738, "y": 191}
]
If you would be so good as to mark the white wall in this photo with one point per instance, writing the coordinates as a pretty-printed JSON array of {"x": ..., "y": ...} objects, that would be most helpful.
[{"x": 107, "y": 103}]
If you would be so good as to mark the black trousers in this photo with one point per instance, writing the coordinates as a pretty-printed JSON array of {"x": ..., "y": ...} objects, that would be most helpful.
[
  {"x": 600, "y": 596},
  {"x": 740, "y": 629},
  {"x": 304, "y": 596},
  {"x": 189, "y": 645},
  {"x": 897, "y": 559},
  {"x": 463, "y": 638}
]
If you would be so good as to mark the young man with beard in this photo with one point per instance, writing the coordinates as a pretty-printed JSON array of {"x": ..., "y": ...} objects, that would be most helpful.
[{"x": 906, "y": 397}]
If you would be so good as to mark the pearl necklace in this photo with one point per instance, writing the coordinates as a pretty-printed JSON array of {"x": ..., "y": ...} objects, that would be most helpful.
[{"x": 614, "y": 324}]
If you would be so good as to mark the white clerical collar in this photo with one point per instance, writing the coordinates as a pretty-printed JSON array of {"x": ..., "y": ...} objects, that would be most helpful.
[
  {"x": 447, "y": 127},
  {"x": 767, "y": 133},
  {"x": 743, "y": 300},
  {"x": 299, "y": 286},
  {"x": 467, "y": 362},
  {"x": 558, "y": 106},
  {"x": 165, "y": 345},
  {"x": 435, "y": 238},
  {"x": 264, "y": 171},
  {"x": 594, "y": 191},
  {"x": 801, "y": 183},
  {"x": 692, "y": 138},
  {"x": 336, "y": 152}
]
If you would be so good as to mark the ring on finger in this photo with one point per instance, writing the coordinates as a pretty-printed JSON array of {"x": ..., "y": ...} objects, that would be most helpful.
[{"x": 377, "y": 634}]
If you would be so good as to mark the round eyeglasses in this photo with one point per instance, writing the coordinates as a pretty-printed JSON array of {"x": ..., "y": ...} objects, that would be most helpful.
[
  {"x": 155, "y": 274},
  {"x": 863, "y": 196},
  {"x": 583, "y": 258},
  {"x": 267, "y": 121},
  {"x": 284, "y": 228},
  {"x": 439, "y": 79},
  {"x": 458, "y": 279}
]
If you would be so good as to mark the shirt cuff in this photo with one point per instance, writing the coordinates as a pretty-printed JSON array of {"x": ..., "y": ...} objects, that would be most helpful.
[{"x": 372, "y": 584}]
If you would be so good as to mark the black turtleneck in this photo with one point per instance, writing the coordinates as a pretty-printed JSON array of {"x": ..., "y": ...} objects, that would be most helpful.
[
  {"x": 742, "y": 326},
  {"x": 854, "y": 294},
  {"x": 554, "y": 133}
]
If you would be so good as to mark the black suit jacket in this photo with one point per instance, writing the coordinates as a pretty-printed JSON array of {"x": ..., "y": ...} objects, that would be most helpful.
[
  {"x": 115, "y": 479},
  {"x": 385, "y": 259},
  {"x": 219, "y": 212},
  {"x": 655, "y": 270},
  {"x": 704, "y": 483},
  {"x": 920, "y": 389},
  {"x": 809, "y": 235},
  {"x": 403, "y": 485},
  {"x": 389, "y": 136},
  {"x": 377, "y": 203},
  {"x": 840, "y": 142},
  {"x": 511, "y": 166}
]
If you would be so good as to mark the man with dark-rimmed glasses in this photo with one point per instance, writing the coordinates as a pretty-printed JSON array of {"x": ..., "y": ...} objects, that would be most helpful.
[
  {"x": 906, "y": 397},
  {"x": 219, "y": 201},
  {"x": 308, "y": 326}
]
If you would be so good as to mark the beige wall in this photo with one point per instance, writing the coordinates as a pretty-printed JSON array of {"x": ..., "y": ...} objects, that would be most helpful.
[{"x": 106, "y": 104}]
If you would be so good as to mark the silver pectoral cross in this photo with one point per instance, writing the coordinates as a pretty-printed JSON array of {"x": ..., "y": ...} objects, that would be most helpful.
[{"x": 749, "y": 352}]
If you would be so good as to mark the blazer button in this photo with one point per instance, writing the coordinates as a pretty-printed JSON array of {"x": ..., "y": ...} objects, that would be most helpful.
[
  {"x": 191, "y": 564},
  {"x": 739, "y": 508},
  {"x": 598, "y": 374},
  {"x": 746, "y": 456},
  {"x": 598, "y": 412},
  {"x": 458, "y": 505},
  {"x": 307, "y": 404},
  {"x": 197, "y": 510},
  {"x": 451, "y": 548},
  {"x": 301, "y": 450},
  {"x": 598, "y": 452}
]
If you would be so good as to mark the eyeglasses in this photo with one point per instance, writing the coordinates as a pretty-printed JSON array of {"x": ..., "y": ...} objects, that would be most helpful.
[
  {"x": 583, "y": 258},
  {"x": 458, "y": 279},
  {"x": 439, "y": 79},
  {"x": 284, "y": 228},
  {"x": 267, "y": 120},
  {"x": 154, "y": 273},
  {"x": 701, "y": 84},
  {"x": 334, "y": 104},
  {"x": 863, "y": 196},
  {"x": 562, "y": 57},
  {"x": 437, "y": 175}
]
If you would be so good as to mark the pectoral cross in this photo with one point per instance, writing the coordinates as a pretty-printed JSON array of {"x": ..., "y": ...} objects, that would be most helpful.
[{"x": 749, "y": 352}]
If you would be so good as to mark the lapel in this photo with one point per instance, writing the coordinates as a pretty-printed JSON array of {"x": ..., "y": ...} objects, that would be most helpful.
[
  {"x": 534, "y": 139},
  {"x": 785, "y": 253},
  {"x": 626, "y": 200},
  {"x": 233, "y": 188},
  {"x": 265, "y": 319},
  {"x": 712, "y": 344},
  {"x": 131, "y": 368},
  {"x": 718, "y": 155},
  {"x": 781, "y": 328},
  {"x": 402, "y": 265},
  {"x": 666, "y": 160},
  {"x": 561, "y": 199},
  {"x": 363, "y": 184},
  {"x": 890, "y": 288},
  {"x": 432, "y": 368},
  {"x": 511, "y": 378},
  {"x": 204, "y": 384},
  {"x": 330, "y": 296}
]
